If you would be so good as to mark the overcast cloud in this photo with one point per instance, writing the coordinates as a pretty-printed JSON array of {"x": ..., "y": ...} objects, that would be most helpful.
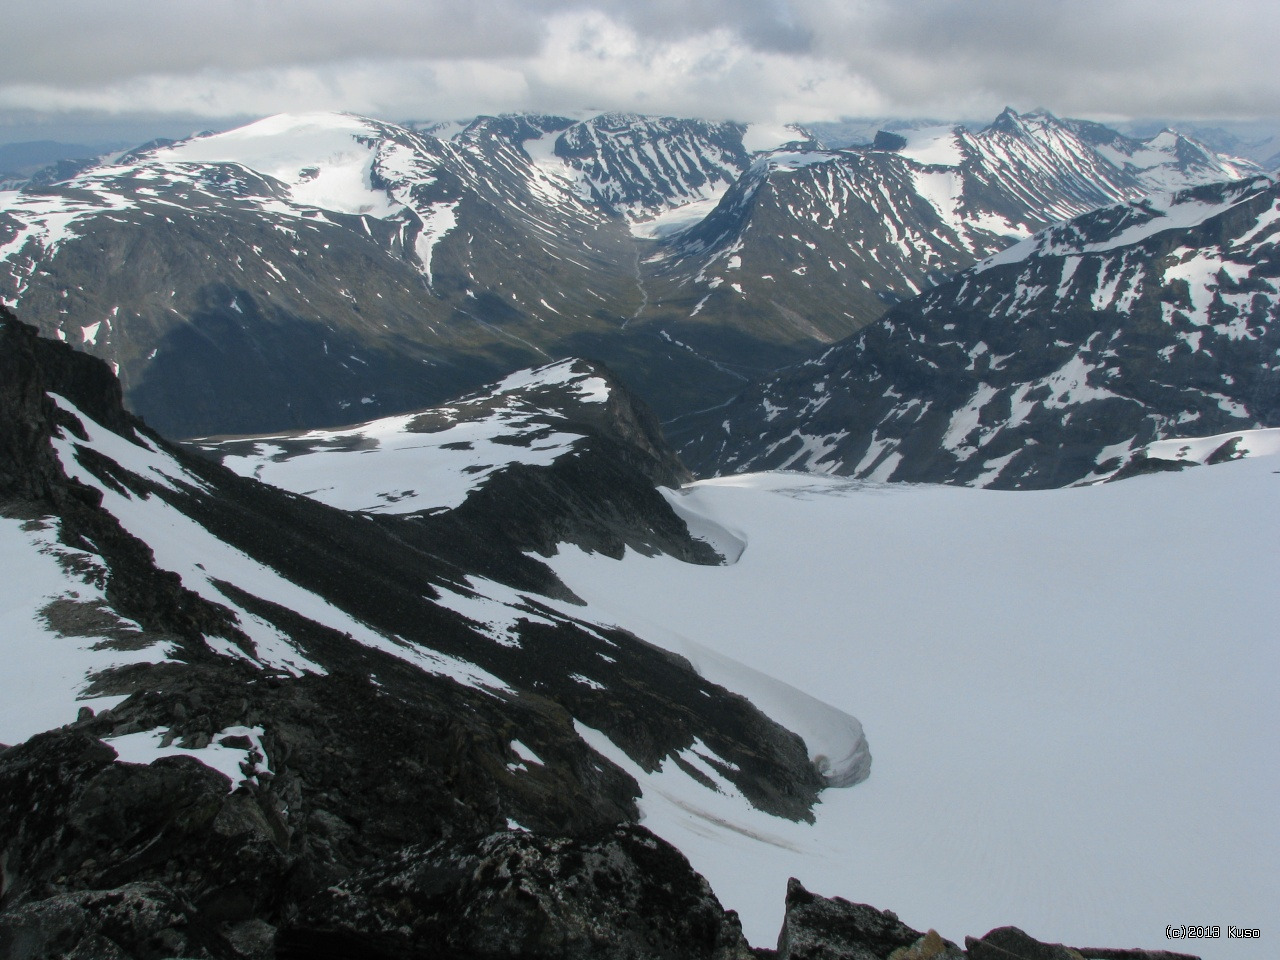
[{"x": 767, "y": 60}]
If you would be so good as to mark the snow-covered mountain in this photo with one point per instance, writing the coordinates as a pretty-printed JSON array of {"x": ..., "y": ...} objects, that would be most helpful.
[
  {"x": 1052, "y": 362},
  {"x": 292, "y": 270},
  {"x": 811, "y": 245},
  {"x": 643, "y": 167},
  {"x": 315, "y": 270}
]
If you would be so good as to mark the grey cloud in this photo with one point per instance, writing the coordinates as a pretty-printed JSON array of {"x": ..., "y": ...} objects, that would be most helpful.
[
  {"x": 73, "y": 42},
  {"x": 767, "y": 25},
  {"x": 735, "y": 57},
  {"x": 88, "y": 41},
  {"x": 1087, "y": 55}
]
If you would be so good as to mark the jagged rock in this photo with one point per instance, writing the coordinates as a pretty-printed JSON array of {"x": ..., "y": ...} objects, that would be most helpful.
[
  {"x": 73, "y": 819},
  {"x": 818, "y": 928},
  {"x": 134, "y": 922},
  {"x": 625, "y": 894},
  {"x": 1010, "y": 943}
]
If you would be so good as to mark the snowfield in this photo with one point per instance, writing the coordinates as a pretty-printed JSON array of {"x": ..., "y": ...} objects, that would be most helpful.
[
  {"x": 397, "y": 465},
  {"x": 1070, "y": 697}
]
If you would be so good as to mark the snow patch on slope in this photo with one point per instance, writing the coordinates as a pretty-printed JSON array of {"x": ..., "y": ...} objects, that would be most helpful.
[{"x": 54, "y": 632}]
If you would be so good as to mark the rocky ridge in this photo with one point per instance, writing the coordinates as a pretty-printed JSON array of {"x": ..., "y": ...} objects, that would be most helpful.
[
  {"x": 1059, "y": 360},
  {"x": 298, "y": 740},
  {"x": 311, "y": 270}
]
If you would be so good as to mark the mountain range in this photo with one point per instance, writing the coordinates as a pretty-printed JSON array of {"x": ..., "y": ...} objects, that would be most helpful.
[
  {"x": 426, "y": 642},
  {"x": 315, "y": 270},
  {"x": 1056, "y": 361}
]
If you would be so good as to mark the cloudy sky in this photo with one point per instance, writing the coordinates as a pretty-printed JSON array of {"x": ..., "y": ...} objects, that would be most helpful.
[{"x": 206, "y": 62}]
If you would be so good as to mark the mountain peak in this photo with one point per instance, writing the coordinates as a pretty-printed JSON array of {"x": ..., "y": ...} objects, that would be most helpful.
[{"x": 1012, "y": 122}]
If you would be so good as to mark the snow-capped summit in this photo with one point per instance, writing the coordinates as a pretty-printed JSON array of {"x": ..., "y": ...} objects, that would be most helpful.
[{"x": 327, "y": 160}]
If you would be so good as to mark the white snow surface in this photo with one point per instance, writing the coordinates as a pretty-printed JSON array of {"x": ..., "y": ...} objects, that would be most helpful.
[
  {"x": 388, "y": 466},
  {"x": 677, "y": 219},
  {"x": 146, "y": 746},
  {"x": 932, "y": 145},
  {"x": 1070, "y": 697},
  {"x": 1250, "y": 443},
  {"x": 316, "y": 154},
  {"x": 769, "y": 136},
  {"x": 46, "y": 673},
  {"x": 397, "y": 471},
  {"x": 562, "y": 372},
  {"x": 1170, "y": 212},
  {"x": 789, "y": 160}
]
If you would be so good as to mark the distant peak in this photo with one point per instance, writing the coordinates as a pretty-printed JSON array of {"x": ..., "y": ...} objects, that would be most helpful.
[{"x": 1009, "y": 121}]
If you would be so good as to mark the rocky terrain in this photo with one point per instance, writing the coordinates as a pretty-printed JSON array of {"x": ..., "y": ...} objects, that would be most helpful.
[
  {"x": 298, "y": 747},
  {"x": 317, "y": 270},
  {"x": 1056, "y": 361}
]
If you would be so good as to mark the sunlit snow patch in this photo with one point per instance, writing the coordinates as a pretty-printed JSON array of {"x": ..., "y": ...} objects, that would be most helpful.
[
  {"x": 240, "y": 764},
  {"x": 419, "y": 462},
  {"x": 56, "y": 630},
  {"x": 1234, "y": 446},
  {"x": 678, "y": 219},
  {"x": 320, "y": 156}
]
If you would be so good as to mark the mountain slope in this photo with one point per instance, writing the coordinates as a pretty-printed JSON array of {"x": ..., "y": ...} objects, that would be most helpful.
[
  {"x": 295, "y": 654},
  {"x": 286, "y": 272},
  {"x": 811, "y": 245},
  {"x": 313, "y": 270},
  {"x": 1050, "y": 363}
]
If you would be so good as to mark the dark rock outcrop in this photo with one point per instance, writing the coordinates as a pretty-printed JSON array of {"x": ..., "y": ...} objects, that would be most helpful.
[
  {"x": 1010, "y": 943},
  {"x": 134, "y": 922},
  {"x": 821, "y": 928},
  {"x": 818, "y": 928},
  {"x": 621, "y": 895}
]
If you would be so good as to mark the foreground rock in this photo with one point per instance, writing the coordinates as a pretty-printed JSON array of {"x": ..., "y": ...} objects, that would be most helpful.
[
  {"x": 821, "y": 928},
  {"x": 1010, "y": 943},
  {"x": 818, "y": 928},
  {"x": 623, "y": 894}
]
